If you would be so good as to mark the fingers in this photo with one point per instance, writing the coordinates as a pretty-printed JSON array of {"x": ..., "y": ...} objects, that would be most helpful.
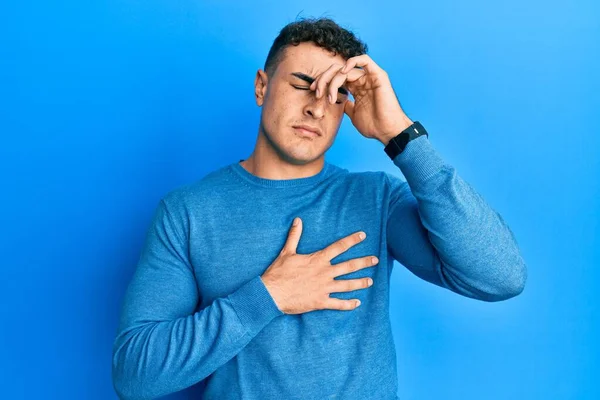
[
  {"x": 353, "y": 265},
  {"x": 362, "y": 61},
  {"x": 338, "y": 304},
  {"x": 336, "y": 75},
  {"x": 339, "y": 79},
  {"x": 329, "y": 82},
  {"x": 321, "y": 82},
  {"x": 293, "y": 238},
  {"x": 347, "y": 285},
  {"x": 337, "y": 248}
]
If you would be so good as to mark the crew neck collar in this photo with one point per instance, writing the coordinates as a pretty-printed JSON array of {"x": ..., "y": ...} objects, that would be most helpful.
[{"x": 240, "y": 171}]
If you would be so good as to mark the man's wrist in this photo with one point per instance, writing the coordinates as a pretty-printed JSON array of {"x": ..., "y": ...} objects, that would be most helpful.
[{"x": 402, "y": 124}]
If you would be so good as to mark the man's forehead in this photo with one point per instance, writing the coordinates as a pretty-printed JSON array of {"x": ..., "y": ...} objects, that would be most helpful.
[{"x": 310, "y": 59}]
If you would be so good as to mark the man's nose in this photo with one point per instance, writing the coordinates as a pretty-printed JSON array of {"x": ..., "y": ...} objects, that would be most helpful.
[{"x": 317, "y": 106}]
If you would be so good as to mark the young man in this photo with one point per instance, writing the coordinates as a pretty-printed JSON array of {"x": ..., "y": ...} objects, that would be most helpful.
[{"x": 229, "y": 292}]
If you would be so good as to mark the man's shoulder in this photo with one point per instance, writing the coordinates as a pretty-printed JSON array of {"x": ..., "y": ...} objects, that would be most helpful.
[
  {"x": 363, "y": 177},
  {"x": 391, "y": 183},
  {"x": 200, "y": 189}
]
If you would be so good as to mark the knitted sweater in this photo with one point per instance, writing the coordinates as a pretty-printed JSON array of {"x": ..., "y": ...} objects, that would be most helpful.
[{"x": 197, "y": 310}]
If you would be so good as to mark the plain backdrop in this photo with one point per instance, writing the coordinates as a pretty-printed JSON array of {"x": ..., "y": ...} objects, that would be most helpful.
[{"x": 107, "y": 105}]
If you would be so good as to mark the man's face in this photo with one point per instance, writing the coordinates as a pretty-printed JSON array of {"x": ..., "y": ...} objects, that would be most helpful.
[{"x": 287, "y": 101}]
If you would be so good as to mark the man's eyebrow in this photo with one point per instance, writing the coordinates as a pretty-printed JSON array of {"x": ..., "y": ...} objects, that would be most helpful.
[{"x": 310, "y": 79}]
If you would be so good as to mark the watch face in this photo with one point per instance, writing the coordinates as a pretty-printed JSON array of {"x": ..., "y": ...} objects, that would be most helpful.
[{"x": 419, "y": 130}]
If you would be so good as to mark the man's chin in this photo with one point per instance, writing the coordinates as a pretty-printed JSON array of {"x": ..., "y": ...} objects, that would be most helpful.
[{"x": 302, "y": 159}]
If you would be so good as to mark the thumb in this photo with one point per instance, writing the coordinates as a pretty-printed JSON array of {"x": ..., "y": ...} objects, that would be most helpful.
[
  {"x": 349, "y": 108},
  {"x": 294, "y": 235}
]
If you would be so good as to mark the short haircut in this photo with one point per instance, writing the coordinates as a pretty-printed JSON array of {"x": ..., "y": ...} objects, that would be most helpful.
[{"x": 323, "y": 32}]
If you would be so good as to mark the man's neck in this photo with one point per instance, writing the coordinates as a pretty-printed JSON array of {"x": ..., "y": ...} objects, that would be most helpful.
[
  {"x": 266, "y": 162},
  {"x": 279, "y": 169}
]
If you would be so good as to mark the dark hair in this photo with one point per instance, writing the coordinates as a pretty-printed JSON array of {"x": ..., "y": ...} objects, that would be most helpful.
[{"x": 323, "y": 32}]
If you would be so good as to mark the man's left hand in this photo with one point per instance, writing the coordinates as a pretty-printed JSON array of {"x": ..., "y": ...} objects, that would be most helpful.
[{"x": 375, "y": 111}]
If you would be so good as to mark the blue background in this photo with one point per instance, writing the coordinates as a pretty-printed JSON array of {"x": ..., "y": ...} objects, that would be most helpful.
[{"x": 106, "y": 106}]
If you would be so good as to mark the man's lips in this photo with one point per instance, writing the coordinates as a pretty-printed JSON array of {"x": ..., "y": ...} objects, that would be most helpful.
[{"x": 308, "y": 130}]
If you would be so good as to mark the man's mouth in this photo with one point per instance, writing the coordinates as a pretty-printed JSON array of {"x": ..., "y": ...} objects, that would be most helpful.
[{"x": 306, "y": 133}]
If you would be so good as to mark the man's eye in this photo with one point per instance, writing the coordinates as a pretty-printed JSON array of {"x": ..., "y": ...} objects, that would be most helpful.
[{"x": 308, "y": 88}]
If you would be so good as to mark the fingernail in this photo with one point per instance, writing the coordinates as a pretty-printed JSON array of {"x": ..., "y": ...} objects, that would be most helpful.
[
  {"x": 357, "y": 303},
  {"x": 361, "y": 235},
  {"x": 296, "y": 221},
  {"x": 318, "y": 92},
  {"x": 329, "y": 97}
]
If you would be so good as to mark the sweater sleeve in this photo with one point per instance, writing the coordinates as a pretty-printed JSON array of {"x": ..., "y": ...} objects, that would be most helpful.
[
  {"x": 444, "y": 232},
  {"x": 162, "y": 345}
]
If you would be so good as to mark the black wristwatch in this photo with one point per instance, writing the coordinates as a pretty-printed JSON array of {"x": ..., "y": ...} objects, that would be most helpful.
[{"x": 398, "y": 143}]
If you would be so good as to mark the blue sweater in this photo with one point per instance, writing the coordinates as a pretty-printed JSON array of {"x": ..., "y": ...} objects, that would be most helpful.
[{"x": 196, "y": 308}]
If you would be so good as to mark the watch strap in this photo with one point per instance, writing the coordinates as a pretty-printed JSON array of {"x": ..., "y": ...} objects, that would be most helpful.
[{"x": 399, "y": 142}]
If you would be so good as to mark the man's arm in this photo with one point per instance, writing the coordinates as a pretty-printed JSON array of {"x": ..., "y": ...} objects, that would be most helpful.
[
  {"x": 162, "y": 345},
  {"x": 443, "y": 231},
  {"x": 446, "y": 234}
]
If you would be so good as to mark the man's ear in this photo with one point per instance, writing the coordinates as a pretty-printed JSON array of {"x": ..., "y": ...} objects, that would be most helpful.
[{"x": 260, "y": 86}]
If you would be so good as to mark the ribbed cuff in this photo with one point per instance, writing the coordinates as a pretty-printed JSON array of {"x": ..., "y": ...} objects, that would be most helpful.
[
  {"x": 254, "y": 305},
  {"x": 419, "y": 161}
]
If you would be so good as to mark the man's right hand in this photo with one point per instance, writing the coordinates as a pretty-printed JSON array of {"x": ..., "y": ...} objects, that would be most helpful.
[{"x": 301, "y": 283}]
